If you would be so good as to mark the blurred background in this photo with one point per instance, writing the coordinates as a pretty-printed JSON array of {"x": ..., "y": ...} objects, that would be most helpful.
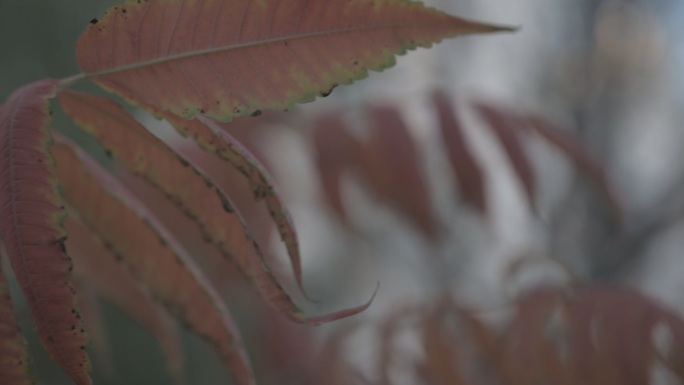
[{"x": 396, "y": 206}]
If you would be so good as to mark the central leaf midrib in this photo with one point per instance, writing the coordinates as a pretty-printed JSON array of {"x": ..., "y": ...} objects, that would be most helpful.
[{"x": 213, "y": 50}]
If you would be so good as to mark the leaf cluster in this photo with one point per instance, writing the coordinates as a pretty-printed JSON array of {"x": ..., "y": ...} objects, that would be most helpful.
[{"x": 193, "y": 64}]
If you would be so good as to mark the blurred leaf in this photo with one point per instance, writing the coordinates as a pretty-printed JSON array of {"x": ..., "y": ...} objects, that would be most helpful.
[
  {"x": 590, "y": 335},
  {"x": 467, "y": 171},
  {"x": 393, "y": 168},
  {"x": 336, "y": 151},
  {"x": 506, "y": 127},
  {"x": 583, "y": 159},
  {"x": 442, "y": 363}
]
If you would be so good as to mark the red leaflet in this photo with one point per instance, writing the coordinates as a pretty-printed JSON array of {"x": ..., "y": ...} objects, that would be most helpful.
[
  {"x": 336, "y": 151},
  {"x": 99, "y": 270},
  {"x": 506, "y": 126},
  {"x": 31, "y": 213},
  {"x": 14, "y": 360},
  {"x": 392, "y": 165},
  {"x": 152, "y": 254},
  {"x": 189, "y": 187},
  {"x": 226, "y": 59},
  {"x": 467, "y": 171},
  {"x": 583, "y": 159},
  {"x": 591, "y": 335}
]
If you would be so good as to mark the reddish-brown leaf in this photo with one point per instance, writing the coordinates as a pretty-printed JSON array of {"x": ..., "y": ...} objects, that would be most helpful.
[
  {"x": 95, "y": 325},
  {"x": 534, "y": 345},
  {"x": 214, "y": 138},
  {"x": 31, "y": 213},
  {"x": 331, "y": 366},
  {"x": 392, "y": 164},
  {"x": 14, "y": 360},
  {"x": 100, "y": 271},
  {"x": 591, "y": 335},
  {"x": 442, "y": 363},
  {"x": 583, "y": 159},
  {"x": 157, "y": 260},
  {"x": 506, "y": 126},
  {"x": 611, "y": 331},
  {"x": 231, "y": 58},
  {"x": 389, "y": 330},
  {"x": 467, "y": 171},
  {"x": 190, "y": 188},
  {"x": 336, "y": 151}
]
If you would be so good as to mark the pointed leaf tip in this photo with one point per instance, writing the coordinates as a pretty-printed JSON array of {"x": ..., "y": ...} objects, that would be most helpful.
[{"x": 318, "y": 320}]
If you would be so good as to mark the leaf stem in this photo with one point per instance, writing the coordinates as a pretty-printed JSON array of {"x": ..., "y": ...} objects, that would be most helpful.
[{"x": 71, "y": 80}]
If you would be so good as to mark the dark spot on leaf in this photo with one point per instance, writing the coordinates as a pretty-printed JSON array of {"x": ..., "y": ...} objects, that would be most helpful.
[
  {"x": 328, "y": 92},
  {"x": 93, "y": 21},
  {"x": 202, "y": 111},
  {"x": 286, "y": 43},
  {"x": 355, "y": 62},
  {"x": 124, "y": 10},
  {"x": 61, "y": 246},
  {"x": 256, "y": 113}
]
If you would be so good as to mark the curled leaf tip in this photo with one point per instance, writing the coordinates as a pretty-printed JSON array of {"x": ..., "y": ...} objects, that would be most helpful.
[
  {"x": 506, "y": 28},
  {"x": 315, "y": 321}
]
